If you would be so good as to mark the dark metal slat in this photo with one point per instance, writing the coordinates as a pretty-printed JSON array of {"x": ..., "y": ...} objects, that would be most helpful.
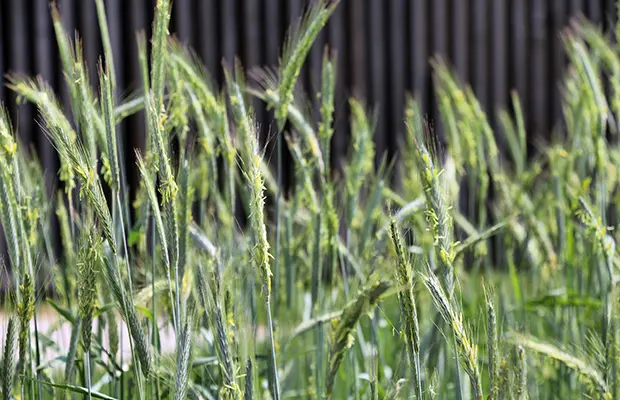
[
  {"x": 208, "y": 34},
  {"x": 252, "y": 46},
  {"x": 441, "y": 28},
  {"x": 460, "y": 36},
  {"x": 499, "y": 50},
  {"x": 20, "y": 62},
  {"x": 610, "y": 16},
  {"x": 67, "y": 16},
  {"x": 419, "y": 63},
  {"x": 519, "y": 45},
  {"x": 183, "y": 20},
  {"x": 294, "y": 10},
  {"x": 294, "y": 13},
  {"x": 480, "y": 45},
  {"x": 114, "y": 13},
  {"x": 314, "y": 65},
  {"x": 439, "y": 48},
  {"x": 358, "y": 49},
  {"x": 539, "y": 62},
  {"x": 559, "y": 19},
  {"x": 337, "y": 39},
  {"x": 397, "y": 66},
  {"x": 228, "y": 32},
  {"x": 273, "y": 38},
  {"x": 137, "y": 23},
  {"x": 595, "y": 11},
  {"x": 378, "y": 75},
  {"x": 576, "y": 7},
  {"x": 136, "y": 123},
  {"x": 252, "y": 34},
  {"x": 44, "y": 68},
  {"x": 91, "y": 38}
]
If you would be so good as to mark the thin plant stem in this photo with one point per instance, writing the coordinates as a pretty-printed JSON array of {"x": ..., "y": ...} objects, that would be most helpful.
[
  {"x": 274, "y": 366},
  {"x": 276, "y": 267},
  {"x": 87, "y": 371}
]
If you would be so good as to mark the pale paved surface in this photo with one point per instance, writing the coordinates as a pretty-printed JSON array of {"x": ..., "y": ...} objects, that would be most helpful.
[{"x": 59, "y": 331}]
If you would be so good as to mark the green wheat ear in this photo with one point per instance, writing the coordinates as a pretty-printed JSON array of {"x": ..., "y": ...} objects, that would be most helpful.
[
  {"x": 184, "y": 352},
  {"x": 521, "y": 374},
  {"x": 437, "y": 211},
  {"x": 492, "y": 343},
  {"x": 261, "y": 252},
  {"x": 107, "y": 101},
  {"x": 363, "y": 150},
  {"x": 9, "y": 211},
  {"x": 583, "y": 368},
  {"x": 66, "y": 57},
  {"x": 159, "y": 54},
  {"x": 466, "y": 348},
  {"x": 25, "y": 312},
  {"x": 88, "y": 268},
  {"x": 213, "y": 305},
  {"x": 9, "y": 358},
  {"x": 83, "y": 105},
  {"x": 295, "y": 51},
  {"x": 73, "y": 156},
  {"x": 409, "y": 315}
]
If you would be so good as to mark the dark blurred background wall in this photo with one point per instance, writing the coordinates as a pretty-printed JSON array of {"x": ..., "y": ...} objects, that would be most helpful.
[{"x": 383, "y": 51}]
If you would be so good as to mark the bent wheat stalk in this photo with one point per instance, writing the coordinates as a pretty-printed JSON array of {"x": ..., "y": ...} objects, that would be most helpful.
[{"x": 342, "y": 335}]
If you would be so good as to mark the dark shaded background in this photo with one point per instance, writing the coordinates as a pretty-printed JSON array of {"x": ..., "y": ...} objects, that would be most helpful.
[
  {"x": 383, "y": 48},
  {"x": 383, "y": 51}
]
